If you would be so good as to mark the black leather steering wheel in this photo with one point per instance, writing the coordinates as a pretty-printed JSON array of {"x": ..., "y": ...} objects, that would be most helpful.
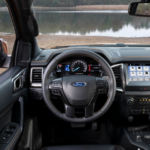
[{"x": 78, "y": 90}]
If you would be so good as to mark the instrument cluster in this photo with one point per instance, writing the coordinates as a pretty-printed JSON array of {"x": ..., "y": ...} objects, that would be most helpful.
[{"x": 79, "y": 66}]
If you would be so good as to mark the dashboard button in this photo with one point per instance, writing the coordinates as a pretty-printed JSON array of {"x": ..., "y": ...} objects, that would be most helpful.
[{"x": 145, "y": 88}]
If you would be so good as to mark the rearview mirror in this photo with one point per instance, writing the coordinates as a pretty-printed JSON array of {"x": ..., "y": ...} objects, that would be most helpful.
[
  {"x": 4, "y": 57},
  {"x": 139, "y": 9}
]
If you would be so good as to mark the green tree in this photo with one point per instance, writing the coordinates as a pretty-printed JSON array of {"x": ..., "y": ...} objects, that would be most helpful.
[{"x": 55, "y": 3}]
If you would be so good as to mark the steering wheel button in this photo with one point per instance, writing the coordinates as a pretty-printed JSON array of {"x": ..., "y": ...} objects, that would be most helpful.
[{"x": 4, "y": 138}]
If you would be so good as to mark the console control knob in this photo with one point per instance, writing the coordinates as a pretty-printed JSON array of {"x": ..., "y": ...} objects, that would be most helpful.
[
  {"x": 130, "y": 101},
  {"x": 130, "y": 118}
]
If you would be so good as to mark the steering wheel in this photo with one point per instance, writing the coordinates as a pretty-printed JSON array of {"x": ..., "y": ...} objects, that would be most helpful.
[{"x": 78, "y": 91}]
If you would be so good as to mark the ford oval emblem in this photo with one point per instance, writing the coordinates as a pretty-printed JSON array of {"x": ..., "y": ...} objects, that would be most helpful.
[{"x": 79, "y": 84}]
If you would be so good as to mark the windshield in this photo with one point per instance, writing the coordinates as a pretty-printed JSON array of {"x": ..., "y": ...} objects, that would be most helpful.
[{"x": 84, "y": 22}]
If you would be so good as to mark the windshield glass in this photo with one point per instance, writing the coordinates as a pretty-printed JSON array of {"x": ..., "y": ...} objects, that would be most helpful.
[{"x": 82, "y": 22}]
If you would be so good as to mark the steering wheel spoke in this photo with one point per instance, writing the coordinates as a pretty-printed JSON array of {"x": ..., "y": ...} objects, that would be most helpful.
[
  {"x": 89, "y": 110},
  {"x": 55, "y": 87},
  {"x": 69, "y": 111},
  {"x": 102, "y": 86}
]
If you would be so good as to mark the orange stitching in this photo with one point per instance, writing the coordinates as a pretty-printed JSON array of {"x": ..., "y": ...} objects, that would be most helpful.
[
  {"x": 118, "y": 147},
  {"x": 13, "y": 140}
]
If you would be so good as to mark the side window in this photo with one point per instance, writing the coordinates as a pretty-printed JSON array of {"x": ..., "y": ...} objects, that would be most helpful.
[{"x": 7, "y": 36}]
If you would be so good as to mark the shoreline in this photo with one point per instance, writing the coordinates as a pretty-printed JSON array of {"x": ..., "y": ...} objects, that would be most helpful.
[
  {"x": 78, "y": 8},
  {"x": 85, "y": 8},
  {"x": 48, "y": 41}
]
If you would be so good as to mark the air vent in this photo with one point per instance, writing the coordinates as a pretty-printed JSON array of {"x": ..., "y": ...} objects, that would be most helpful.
[
  {"x": 36, "y": 76},
  {"x": 117, "y": 69}
]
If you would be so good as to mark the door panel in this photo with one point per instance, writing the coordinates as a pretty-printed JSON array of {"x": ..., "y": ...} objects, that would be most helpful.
[{"x": 11, "y": 113}]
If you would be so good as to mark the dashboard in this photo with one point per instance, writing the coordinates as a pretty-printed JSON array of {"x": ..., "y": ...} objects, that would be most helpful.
[
  {"x": 131, "y": 69},
  {"x": 79, "y": 66}
]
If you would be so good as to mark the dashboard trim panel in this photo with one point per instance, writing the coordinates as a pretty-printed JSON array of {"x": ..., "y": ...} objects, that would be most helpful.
[{"x": 119, "y": 89}]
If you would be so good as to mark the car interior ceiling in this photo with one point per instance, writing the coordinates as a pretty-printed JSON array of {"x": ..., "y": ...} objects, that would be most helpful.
[{"x": 72, "y": 97}]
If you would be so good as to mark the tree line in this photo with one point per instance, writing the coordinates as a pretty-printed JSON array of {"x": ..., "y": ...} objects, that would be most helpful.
[
  {"x": 87, "y": 22},
  {"x": 72, "y": 3}
]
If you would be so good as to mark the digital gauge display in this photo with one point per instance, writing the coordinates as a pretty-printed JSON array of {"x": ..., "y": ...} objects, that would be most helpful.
[{"x": 78, "y": 66}]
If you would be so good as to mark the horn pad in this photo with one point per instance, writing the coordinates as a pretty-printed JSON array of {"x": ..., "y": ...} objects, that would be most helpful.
[{"x": 79, "y": 89}]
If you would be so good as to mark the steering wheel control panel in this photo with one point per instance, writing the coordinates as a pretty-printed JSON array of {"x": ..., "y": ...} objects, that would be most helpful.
[
  {"x": 102, "y": 86},
  {"x": 138, "y": 105},
  {"x": 79, "y": 66}
]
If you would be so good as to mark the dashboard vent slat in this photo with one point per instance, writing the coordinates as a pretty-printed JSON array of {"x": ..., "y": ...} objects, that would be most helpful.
[
  {"x": 36, "y": 76},
  {"x": 118, "y": 75}
]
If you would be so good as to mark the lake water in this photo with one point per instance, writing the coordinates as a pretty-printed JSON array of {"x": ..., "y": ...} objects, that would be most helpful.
[{"x": 87, "y": 23}]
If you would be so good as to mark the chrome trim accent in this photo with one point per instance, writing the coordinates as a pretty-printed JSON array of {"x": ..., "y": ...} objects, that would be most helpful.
[
  {"x": 123, "y": 77},
  {"x": 19, "y": 76},
  {"x": 20, "y": 83},
  {"x": 119, "y": 89},
  {"x": 36, "y": 84}
]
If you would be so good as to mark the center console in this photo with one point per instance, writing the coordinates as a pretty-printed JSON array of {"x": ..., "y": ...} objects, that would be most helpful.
[
  {"x": 136, "y": 104},
  {"x": 136, "y": 139},
  {"x": 136, "y": 100}
]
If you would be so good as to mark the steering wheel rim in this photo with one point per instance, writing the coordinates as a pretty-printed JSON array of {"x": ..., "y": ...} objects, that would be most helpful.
[{"x": 111, "y": 84}]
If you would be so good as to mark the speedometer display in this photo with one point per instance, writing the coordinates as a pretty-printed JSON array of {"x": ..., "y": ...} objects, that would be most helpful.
[{"x": 79, "y": 66}]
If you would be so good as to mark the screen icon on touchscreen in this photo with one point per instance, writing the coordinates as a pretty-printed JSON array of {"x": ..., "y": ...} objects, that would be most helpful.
[
  {"x": 132, "y": 68},
  {"x": 146, "y": 74},
  {"x": 146, "y": 68},
  {"x": 139, "y": 68},
  {"x": 139, "y": 74},
  {"x": 133, "y": 74}
]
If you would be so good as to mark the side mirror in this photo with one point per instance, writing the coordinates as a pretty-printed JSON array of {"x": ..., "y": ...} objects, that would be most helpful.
[
  {"x": 139, "y": 9},
  {"x": 4, "y": 57}
]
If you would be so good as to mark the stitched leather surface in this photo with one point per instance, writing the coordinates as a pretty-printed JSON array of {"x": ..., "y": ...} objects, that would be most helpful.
[
  {"x": 13, "y": 139},
  {"x": 11, "y": 144},
  {"x": 84, "y": 147}
]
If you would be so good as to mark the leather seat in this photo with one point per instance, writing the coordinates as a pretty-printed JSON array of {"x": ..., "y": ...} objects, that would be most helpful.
[{"x": 84, "y": 147}]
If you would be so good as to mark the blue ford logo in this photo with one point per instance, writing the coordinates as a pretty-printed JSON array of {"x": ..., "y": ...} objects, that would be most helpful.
[{"x": 79, "y": 84}]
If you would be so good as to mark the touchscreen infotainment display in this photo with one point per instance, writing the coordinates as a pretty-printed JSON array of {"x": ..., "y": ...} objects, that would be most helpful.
[{"x": 139, "y": 73}]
